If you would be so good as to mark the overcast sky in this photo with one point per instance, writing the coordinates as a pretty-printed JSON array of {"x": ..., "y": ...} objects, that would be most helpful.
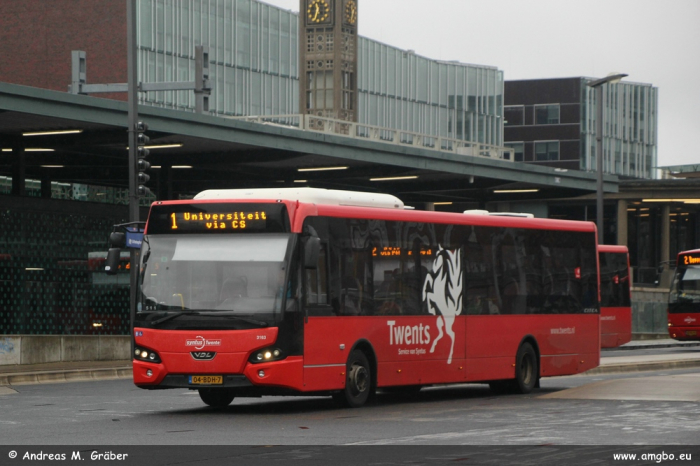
[{"x": 653, "y": 41}]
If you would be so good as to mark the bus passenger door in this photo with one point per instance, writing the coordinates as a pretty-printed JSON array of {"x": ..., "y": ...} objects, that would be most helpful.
[{"x": 322, "y": 371}]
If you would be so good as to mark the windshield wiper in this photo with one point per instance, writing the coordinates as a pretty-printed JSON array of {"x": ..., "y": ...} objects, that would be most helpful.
[
  {"x": 176, "y": 314},
  {"x": 259, "y": 323}
]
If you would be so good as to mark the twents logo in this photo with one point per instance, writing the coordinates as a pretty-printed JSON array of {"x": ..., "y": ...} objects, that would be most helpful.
[{"x": 442, "y": 291}]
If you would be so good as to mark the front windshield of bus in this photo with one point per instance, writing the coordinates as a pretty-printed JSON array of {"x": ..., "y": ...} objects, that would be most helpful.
[
  {"x": 686, "y": 286},
  {"x": 213, "y": 275}
]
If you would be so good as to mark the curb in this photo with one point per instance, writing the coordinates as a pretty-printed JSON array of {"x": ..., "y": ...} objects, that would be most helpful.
[
  {"x": 643, "y": 366},
  {"x": 59, "y": 376},
  {"x": 629, "y": 346}
]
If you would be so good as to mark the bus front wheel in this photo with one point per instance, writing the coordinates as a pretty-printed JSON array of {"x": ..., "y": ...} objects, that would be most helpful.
[
  {"x": 358, "y": 381},
  {"x": 216, "y": 397}
]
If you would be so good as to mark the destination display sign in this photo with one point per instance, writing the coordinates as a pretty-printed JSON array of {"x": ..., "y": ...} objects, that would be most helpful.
[
  {"x": 218, "y": 218},
  {"x": 388, "y": 251},
  {"x": 689, "y": 259}
]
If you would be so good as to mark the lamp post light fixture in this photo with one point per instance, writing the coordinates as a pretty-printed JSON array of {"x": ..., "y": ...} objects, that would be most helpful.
[{"x": 598, "y": 86}]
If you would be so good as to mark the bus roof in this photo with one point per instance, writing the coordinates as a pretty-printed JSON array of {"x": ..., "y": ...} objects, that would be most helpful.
[
  {"x": 455, "y": 218},
  {"x": 352, "y": 204},
  {"x": 310, "y": 195}
]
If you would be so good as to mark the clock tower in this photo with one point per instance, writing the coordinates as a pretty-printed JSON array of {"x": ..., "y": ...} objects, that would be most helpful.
[{"x": 328, "y": 58}]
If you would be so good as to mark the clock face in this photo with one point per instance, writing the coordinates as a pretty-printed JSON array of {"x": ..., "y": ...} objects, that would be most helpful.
[
  {"x": 351, "y": 12},
  {"x": 318, "y": 11}
]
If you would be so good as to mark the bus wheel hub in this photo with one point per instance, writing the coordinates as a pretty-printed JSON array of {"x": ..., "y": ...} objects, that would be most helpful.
[{"x": 359, "y": 381}]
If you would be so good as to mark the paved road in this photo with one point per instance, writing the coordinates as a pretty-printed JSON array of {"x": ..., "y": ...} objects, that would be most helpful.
[
  {"x": 611, "y": 410},
  {"x": 591, "y": 410}
]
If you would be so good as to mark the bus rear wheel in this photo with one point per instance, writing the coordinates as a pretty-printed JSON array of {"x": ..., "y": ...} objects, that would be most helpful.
[
  {"x": 526, "y": 369},
  {"x": 216, "y": 397},
  {"x": 358, "y": 381},
  {"x": 526, "y": 373}
]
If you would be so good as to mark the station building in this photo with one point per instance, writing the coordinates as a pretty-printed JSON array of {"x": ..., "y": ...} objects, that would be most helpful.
[
  {"x": 553, "y": 122},
  {"x": 276, "y": 67}
]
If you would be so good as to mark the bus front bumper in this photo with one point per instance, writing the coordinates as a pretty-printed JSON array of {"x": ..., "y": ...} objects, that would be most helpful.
[
  {"x": 287, "y": 373},
  {"x": 684, "y": 333}
]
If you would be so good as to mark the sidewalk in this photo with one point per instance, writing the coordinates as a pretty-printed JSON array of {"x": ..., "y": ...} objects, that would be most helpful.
[
  {"x": 649, "y": 362},
  {"x": 104, "y": 370},
  {"x": 654, "y": 343},
  {"x": 64, "y": 372}
]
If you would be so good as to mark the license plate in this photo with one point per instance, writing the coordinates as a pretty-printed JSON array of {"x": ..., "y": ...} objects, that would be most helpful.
[
  {"x": 206, "y": 380},
  {"x": 691, "y": 333}
]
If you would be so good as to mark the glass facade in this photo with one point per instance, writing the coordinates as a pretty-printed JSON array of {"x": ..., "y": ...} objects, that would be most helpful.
[
  {"x": 564, "y": 110},
  {"x": 52, "y": 278},
  {"x": 254, "y": 70},
  {"x": 401, "y": 90},
  {"x": 644, "y": 228},
  {"x": 253, "y": 54},
  {"x": 629, "y": 129}
]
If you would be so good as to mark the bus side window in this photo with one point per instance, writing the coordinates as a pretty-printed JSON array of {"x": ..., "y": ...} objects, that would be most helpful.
[
  {"x": 479, "y": 296},
  {"x": 317, "y": 285},
  {"x": 350, "y": 296}
]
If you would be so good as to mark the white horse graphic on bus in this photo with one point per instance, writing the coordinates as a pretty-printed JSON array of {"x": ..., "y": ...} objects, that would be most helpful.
[{"x": 442, "y": 291}]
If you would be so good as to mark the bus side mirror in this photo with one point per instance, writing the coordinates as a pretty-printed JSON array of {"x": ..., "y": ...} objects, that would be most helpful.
[
  {"x": 117, "y": 239},
  {"x": 312, "y": 250},
  {"x": 112, "y": 262}
]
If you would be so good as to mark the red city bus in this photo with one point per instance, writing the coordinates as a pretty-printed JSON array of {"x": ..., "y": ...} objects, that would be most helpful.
[
  {"x": 318, "y": 292},
  {"x": 684, "y": 298},
  {"x": 615, "y": 298}
]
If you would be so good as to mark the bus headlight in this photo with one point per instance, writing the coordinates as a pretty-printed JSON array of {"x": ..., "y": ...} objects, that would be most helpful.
[
  {"x": 145, "y": 354},
  {"x": 266, "y": 355}
]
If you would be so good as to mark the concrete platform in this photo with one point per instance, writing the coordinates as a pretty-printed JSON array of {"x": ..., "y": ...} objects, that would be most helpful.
[
  {"x": 645, "y": 363},
  {"x": 64, "y": 372},
  {"x": 686, "y": 387}
]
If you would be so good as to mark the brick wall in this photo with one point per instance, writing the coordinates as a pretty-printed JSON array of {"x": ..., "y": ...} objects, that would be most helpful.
[{"x": 37, "y": 37}]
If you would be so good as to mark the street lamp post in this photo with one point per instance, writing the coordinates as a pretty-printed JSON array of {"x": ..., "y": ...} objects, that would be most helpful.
[
  {"x": 598, "y": 86},
  {"x": 133, "y": 115}
]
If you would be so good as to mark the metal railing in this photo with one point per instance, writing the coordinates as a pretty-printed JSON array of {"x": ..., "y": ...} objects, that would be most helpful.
[{"x": 384, "y": 135}]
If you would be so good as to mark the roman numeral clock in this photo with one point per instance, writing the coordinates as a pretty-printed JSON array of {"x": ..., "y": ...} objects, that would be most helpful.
[{"x": 328, "y": 59}]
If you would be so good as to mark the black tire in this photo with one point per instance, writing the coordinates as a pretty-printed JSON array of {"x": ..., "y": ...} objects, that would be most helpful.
[
  {"x": 358, "y": 381},
  {"x": 526, "y": 374},
  {"x": 216, "y": 397},
  {"x": 526, "y": 369}
]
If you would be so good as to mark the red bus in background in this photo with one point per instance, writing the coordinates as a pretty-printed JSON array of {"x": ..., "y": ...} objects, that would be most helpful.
[
  {"x": 615, "y": 296},
  {"x": 105, "y": 308},
  {"x": 319, "y": 292},
  {"x": 684, "y": 298}
]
